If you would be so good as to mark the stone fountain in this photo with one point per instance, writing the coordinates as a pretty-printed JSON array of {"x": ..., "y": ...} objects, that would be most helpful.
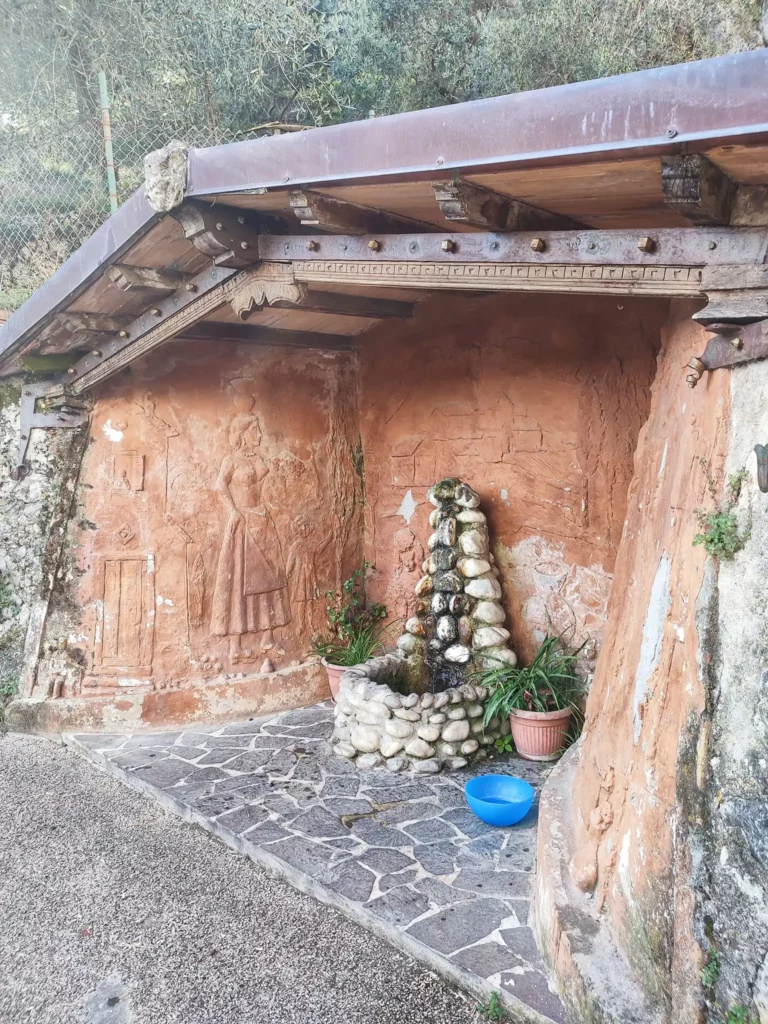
[{"x": 419, "y": 708}]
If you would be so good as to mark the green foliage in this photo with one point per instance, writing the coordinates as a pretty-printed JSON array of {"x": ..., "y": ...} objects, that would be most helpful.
[
  {"x": 549, "y": 683},
  {"x": 492, "y": 1010},
  {"x": 9, "y": 688},
  {"x": 710, "y": 972},
  {"x": 739, "y": 1015},
  {"x": 504, "y": 745},
  {"x": 719, "y": 526},
  {"x": 355, "y": 629},
  {"x": 392, "y": 55},
  {"x": 213, "y": 71}
]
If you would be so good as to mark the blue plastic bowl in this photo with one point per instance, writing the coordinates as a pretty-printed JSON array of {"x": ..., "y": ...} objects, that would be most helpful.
[{"x": 499, "y": 799}]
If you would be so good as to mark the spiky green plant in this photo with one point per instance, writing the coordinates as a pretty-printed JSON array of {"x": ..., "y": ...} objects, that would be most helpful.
[{"x": 549, "y": 683}]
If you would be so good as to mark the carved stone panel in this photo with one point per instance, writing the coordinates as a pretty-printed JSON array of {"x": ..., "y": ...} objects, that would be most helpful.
[{"x": 125, "y": 625}]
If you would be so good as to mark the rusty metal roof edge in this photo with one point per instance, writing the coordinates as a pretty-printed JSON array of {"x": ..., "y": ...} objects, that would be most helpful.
[
  {"x": 104, "y": 247},
  {"x": 723, "y": 99},
  {"x": 662, "y": 109}
]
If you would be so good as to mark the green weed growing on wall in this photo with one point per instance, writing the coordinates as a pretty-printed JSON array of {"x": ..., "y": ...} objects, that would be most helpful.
[{"x": 719, "y": 527}]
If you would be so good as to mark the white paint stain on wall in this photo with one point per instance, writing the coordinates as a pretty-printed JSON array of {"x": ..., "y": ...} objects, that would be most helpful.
[
  {"x": 408, "y": 507},
  {"x": 653, "y": 635},
  {"x": 111, "y": 433}
]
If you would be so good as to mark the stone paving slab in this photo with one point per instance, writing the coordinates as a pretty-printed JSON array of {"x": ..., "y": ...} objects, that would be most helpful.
[{"x": 403, "y": 856}]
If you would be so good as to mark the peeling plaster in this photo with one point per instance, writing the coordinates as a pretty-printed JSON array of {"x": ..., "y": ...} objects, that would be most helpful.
[
  {"x": 653, "y": 635},
  {"x": 408, "y": 507},
  {"x": 111, "y": 433}
]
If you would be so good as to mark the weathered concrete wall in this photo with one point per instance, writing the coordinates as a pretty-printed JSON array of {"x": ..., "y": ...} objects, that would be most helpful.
[
  {"x": 669, "y": 815},
  {"x": 537, "y": 403},
  {"x": 218, "y": 499}
]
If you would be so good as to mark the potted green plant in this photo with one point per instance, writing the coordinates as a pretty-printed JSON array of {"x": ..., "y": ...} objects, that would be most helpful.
[
  {"x": 355, "y": 629},
  {"x": 539, "y": 699}
]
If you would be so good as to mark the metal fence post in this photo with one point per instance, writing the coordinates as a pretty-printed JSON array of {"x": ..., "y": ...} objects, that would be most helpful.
[{"x": 107, "y": 129}]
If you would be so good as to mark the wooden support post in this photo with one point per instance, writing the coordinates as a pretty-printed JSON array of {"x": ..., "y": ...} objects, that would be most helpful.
[
  {"x": 467, "y": 203},
  {"x": 693, "y": 186}
]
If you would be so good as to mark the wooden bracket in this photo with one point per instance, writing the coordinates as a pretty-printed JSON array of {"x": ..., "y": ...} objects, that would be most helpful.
[
  {"x": 694, "y": 187},
  {"x": 145, "y": 279},
  {"x": 274, "y": 284},
  {"x": 466, "y": 203},
  {"x": 59, "y": 414},
  {"x": 270, "y": 284},
  {"x": 337, "y": 216},
  {"x": 730, "y": 345},
  {"x": 231, "y": 239}
]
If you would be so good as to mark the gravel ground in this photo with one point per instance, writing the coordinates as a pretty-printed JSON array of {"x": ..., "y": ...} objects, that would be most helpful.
[{"x": 112, "y": 912}]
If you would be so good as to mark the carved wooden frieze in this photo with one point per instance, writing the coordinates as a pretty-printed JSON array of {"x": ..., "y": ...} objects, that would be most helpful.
[{"x": 624, "y": 280}]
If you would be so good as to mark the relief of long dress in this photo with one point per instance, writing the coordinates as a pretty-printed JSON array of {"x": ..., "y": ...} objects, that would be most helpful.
[{"x": 250, "y": 593}]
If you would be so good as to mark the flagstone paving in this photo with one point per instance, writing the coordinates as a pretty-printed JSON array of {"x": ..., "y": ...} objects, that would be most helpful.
[{"x": 401, "y": 854}]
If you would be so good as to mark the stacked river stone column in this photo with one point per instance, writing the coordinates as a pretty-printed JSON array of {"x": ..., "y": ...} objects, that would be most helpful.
[
  {"x": 458, "y": 628},
  {"x": 422, "y": 708}
]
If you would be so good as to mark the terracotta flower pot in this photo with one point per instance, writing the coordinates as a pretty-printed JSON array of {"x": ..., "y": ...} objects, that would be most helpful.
[
  {"x": 539, "y": 735},
  {"x": 334, "y": 673}
]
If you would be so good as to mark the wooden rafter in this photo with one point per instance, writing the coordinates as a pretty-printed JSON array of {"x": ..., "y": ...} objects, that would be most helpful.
[
  {"x": 467, "y": 203},
  {"x": 92, "y": 323},
  {"x": 147, "y": 280},
  {"x": 334, "y": 215},
  {"x": 693, "y": 186}
]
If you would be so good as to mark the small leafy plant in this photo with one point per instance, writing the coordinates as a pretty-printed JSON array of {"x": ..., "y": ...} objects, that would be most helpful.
[
  {"x": 549, "y": 683},
  {"x": 504, "y": 745},
  {"x": 492, "y": 1010},
  {"x": 739, "y": 1015},
  {"x": 355, "y": 630},
  {"x": 719, "y": 527},
  {"x": 710, "y": 972}
]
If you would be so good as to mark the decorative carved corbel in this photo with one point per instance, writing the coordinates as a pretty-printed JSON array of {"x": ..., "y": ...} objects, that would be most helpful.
[
  {"x": 270, "y": 284},
  {"x": 230, "y": 238}
]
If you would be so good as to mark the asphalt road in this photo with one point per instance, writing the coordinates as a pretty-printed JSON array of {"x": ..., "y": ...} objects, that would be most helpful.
[{"x": 113, "y": 912}]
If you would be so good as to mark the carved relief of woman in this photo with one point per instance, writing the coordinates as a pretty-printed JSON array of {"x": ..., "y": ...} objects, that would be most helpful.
[{"x": 250, "y": 593}]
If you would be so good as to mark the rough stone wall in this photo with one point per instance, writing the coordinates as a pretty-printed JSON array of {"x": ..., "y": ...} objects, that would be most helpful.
[
  {"x": 637, "y": 790},
  {"x": 219, "y": 498},
  {"x": 537, "y": 403},
  {"x": 729, "y": 812},
  {"x": 32, "y": 511}
]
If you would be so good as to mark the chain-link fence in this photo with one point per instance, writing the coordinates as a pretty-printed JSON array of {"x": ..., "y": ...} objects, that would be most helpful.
[{"x": 54, "y": 193}]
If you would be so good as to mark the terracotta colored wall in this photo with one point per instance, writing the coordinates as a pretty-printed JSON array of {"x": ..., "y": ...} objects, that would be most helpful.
[
  {"x": 647, "y": 696},
  {"x": 170, "y": 575},
  {"x": 537, "y": 402}
]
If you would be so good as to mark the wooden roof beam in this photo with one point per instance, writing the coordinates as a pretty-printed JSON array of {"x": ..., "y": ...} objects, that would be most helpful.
[
  {"x": 466, "y": 203},
  {"x": 336, "y": 216},
  {"x": 211, "y": 330},
  {"x": 657, "y": 247},
  {"x": 693, "y": 186}
]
